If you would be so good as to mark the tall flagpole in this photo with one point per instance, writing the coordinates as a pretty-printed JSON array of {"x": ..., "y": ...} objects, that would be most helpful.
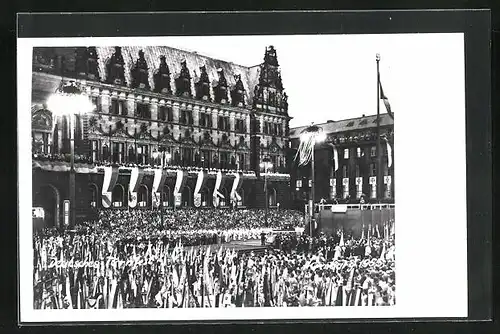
[{"x": 379, "y": 149}]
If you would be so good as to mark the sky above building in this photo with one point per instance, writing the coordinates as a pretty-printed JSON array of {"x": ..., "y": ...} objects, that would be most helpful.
[{"x": 334, "y": 77}]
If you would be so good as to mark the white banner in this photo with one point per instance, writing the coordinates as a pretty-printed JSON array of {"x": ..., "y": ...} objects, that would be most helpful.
[
  {"x": 345, "y": 181},
  {"x": 217, "y": 193},
  {"x": 178, "y": 199},
  {"x": 234, "y": 191},
  {"x": 387, "y": 179},
  {"x": 373, "y": 180},
  {"x": 197, "y": 200}
]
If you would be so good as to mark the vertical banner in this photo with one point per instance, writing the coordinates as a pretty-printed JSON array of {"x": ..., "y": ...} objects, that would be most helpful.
[
  {"x": 110, "y": 178},
  {"x": 373, "y": 183},
  {"x": 180, "y": 182},
  {"x": 359, "y": 187},
  {"x": 135, "y": 181},
  {"x": 345, "y": 184},
  {"x": 66, "y": 205},
  {"x": 387, "y": 182},
  {"x": 217, "y": 194},
  {"x": 333, "y": 186},
  {"x": 200, "y": 183},
  {"x": 159, "y": 180},
  {"x": 238, "y": 181}
]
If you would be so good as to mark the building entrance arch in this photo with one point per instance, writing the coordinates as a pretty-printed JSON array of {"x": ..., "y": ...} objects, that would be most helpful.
[{"x": 48, "y": 198}]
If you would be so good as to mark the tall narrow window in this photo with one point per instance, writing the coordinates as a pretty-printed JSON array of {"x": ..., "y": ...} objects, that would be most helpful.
[
  {"x": 345, "y": 173},
  {"x": 373, "y": 151},
  {"x": 115, "y": 107},
  {"x": 373, "y": 169},
  {"x": 96, "y": 102},
  {"x": 162, "y": 113},
  {"x": 358, "y": 152},
  {"x": 346, "y": 153},
  {"x": 143, "y": 111},
  {"x": 95, "y": 149}
]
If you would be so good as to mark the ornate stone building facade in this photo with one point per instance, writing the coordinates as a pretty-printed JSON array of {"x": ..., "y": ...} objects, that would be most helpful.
[
  {"x": 356, "y": 174},
  {"x": 154, "y": 105}
]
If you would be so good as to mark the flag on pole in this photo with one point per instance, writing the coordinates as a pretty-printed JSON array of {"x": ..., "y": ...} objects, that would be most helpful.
[
  {"x": 389, "y": 152},
  {"x": 335, "y": 157},
  {"x": 385, "y": 99}
]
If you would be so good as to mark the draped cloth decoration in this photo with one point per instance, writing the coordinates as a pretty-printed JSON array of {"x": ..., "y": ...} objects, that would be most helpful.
[
  {"x": 110, "y": 178},
  {"x": 136, "y": 177},
  {"x": 160, "y": 176},
  {"x": 217, "y": 194},
  {"x": 305, "y": 150},
  {"x": 389, "y": 152},
  {"x": 180, "y": 182},
  {"x": 200, "y": 183},
  {"x": 237, "y": 183},
  {"x": 335, "y": 157}
]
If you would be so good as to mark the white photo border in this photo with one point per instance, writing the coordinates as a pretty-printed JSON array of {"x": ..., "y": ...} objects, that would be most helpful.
[{"x": 431, "y": 257}]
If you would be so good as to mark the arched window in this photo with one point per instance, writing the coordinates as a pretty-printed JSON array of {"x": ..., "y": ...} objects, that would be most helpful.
[
  {"x": 117, "y": 196},
  {"x": 225, "y": 201},
  {"x": 48, "y": 201},
  {"x": 271, "y": 197},
  {"x": 93, "y": 195},
  {"x": 142, "y": 196},
  {"x": 186, "y": 197},
  {"x": 131, "y": 154},
  {"x": 167, "y": 196},
  {"x": 241, "y": 192},
  {"x": 206, "y": 199},
  {"x": 105, "y": 152}
]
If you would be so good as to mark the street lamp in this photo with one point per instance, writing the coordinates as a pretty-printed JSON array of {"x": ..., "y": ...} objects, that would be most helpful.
[
  {"x": 69, "y": 100},
  {"x": 313, "y": 134},
  {"x": 266, "y": 165}
]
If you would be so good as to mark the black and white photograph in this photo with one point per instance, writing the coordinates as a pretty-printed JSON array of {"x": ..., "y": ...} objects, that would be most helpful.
[{"x": 185, "y": 174}]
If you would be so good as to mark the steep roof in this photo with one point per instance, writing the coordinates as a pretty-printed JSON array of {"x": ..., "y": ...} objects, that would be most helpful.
[
  {"x": 174, "y": 57},
  {"x": 352, "y": 124}
]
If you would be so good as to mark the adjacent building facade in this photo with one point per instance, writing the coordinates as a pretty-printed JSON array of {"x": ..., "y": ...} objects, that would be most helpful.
[
  {"x": 355, "y": 175},
  {"x": 154, "y": 106}
]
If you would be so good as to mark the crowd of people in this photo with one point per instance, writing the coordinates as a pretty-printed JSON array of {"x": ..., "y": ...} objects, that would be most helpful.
[
  {"x": 191, "y": 227},
  {"x": 130, "y": 260}
]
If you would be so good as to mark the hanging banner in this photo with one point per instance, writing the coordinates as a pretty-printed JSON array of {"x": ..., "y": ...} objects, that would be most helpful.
[
  {"x": 389, "y": 153},
  {"x": 110, "y": 178},
  {"x": 200, "y": 183},
  {"x": 237, "y": 183},
  {"x": 359, "y": 186},
  {"x": 333, "y": 186},
  {"x": 387, "y": 179},
  {"x": 136, "y": 177},
  {"x": 66, "y": 205},
  {"x": 159, "y": 180},
  {"x": 345, "y": 184},
  {"x": 178, "y": 199},
  {"x": 335, "y": 157},
  {"x": 180, "y": 182},
  {"x": 217, "y": 194},
  {"x": 373, "y": 180}
]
